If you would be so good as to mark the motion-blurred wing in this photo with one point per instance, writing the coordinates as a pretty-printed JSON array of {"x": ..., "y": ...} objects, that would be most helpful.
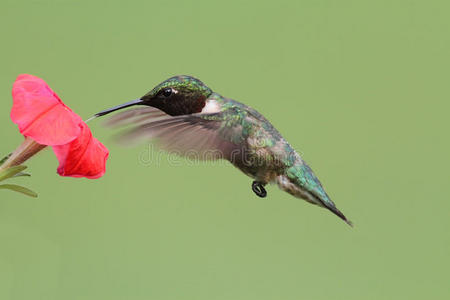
[
  {"x": 197, "y": 136},
  {"x": 135, "y": 116}
]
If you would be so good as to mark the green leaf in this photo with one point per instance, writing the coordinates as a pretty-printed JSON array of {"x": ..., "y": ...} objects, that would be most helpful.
[
  {"x": 10, "y": 172},
  {"x": 4, "y": 159},
  {"x": 20, "y": 174},
  {"x": 18, "y": 188}
]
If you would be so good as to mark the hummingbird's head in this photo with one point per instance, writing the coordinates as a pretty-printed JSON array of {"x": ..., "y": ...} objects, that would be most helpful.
[{"x": 178, "y": 95}]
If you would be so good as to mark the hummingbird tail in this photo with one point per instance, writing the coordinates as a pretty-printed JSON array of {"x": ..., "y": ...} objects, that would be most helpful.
[{"x": 308, "y": 187}]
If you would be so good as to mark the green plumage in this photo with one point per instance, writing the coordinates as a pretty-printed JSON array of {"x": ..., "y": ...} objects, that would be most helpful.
[{"x": 276, "y": 161}]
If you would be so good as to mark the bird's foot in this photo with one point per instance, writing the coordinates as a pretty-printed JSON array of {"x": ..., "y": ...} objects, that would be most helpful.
[{"x": 258, "y": 189}]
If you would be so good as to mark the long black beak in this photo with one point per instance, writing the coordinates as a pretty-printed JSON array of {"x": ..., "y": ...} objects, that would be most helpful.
[
  {"x": 110, "y": 110},
  {"x": 127, "y": 104}
]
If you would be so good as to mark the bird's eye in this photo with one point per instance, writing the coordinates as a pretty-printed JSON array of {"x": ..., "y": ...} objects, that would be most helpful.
[{"x": 167, "y": 92}]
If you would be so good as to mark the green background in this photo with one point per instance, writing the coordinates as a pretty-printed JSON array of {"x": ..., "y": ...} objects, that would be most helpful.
[{"x": 360, "y": 88}]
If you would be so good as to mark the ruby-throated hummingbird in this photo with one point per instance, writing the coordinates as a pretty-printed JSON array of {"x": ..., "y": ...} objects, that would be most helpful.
[{"x": 186, "y": 116}]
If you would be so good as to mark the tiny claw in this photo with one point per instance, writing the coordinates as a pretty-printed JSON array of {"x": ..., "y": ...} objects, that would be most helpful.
[{"x": 258, "y": 189}]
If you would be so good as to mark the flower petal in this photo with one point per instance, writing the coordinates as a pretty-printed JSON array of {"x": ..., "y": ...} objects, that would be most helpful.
[
  {"x": 40, "y": 114},
  {"x": 83, "y": 157}
]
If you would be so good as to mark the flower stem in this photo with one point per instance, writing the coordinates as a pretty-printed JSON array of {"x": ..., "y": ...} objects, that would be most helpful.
[{"x": 27, "y": 149}]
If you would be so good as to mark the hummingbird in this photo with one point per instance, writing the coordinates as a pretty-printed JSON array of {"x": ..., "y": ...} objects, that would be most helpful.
[{"x": 183, "y": 115}]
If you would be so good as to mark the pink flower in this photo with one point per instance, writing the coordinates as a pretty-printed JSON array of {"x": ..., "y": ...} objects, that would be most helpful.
[{"x": 43, "y": 117}]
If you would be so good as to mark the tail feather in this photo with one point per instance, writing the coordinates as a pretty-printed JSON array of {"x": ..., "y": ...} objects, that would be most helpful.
[
  {"x": 301, "y": 182},
  {"x": 338, "y": 213}
]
